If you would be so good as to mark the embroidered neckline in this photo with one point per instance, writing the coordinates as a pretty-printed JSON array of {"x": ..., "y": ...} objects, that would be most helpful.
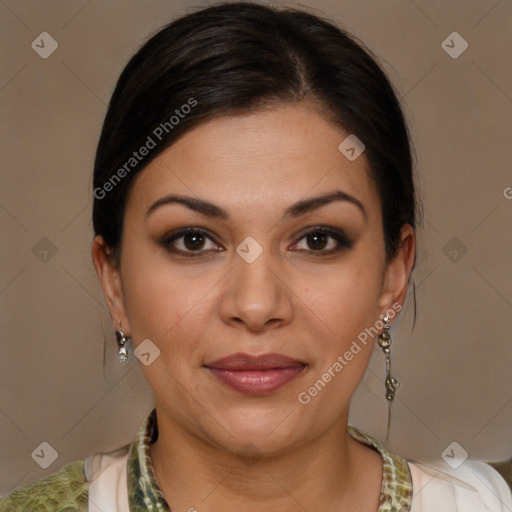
[{"x": 145, "y": 494}]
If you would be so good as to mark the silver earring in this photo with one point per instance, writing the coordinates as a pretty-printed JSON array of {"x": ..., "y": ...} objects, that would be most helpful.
[
  {"x": 122, "y": 353},
  {"x": 385, "y": 343}
]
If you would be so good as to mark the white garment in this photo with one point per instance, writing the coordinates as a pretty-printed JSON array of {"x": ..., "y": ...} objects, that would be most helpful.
[
  {"x": 108, "y": 483},
  {"x": 472, "y": 487}
]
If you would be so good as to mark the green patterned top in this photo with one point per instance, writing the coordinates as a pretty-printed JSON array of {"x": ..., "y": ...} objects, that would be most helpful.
[{"x": 67, "y": 489}]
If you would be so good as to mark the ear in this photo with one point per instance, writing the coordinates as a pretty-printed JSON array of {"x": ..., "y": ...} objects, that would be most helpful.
[
  {"x": 398, "y": 270},
  {"x": 110, "y": 279}
]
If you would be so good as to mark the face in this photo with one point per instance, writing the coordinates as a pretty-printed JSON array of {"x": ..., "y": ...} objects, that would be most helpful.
[{"x": 266, "y": 269}]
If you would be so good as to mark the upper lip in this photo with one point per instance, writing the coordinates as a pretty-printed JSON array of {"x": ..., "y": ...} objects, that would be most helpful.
[{"x": 240, "y": 361}]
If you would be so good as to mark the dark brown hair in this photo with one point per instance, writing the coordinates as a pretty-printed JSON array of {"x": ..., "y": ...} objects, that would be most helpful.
[{"x": 234, "y": 58}]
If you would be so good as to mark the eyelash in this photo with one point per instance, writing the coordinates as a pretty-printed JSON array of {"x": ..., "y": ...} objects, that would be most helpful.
[{"x": 343, "y": 241}]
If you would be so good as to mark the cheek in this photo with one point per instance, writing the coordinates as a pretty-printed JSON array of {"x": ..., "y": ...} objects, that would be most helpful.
[
  {"x": 343, "y": 310},
  {"x": 346, "y": 299},
  {"x": 162, "y": 303}
]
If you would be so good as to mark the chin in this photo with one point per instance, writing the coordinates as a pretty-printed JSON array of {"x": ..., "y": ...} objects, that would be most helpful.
[{"x": 257, "y": 433}]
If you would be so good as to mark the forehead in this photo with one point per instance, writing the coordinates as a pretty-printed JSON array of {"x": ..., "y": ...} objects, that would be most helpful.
[{"x": 261, "y": 160}]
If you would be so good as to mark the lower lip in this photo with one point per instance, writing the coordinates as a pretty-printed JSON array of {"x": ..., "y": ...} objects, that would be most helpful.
[{"x": 257, "y": 382}]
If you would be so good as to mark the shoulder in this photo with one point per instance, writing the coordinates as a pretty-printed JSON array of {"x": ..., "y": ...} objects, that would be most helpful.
[
  {"x": 474, "y": 485},
  {"x": 64, "y": 490}
]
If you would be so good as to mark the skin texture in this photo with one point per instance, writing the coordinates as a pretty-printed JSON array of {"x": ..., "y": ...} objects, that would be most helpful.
[{"x": 289, "y": 300}]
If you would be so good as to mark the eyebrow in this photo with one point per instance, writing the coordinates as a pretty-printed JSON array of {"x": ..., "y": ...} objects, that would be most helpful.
[{"x": 295, "y": 210}]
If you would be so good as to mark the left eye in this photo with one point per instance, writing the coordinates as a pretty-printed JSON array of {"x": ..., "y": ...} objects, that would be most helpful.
[{"x": 318, "y": 240}]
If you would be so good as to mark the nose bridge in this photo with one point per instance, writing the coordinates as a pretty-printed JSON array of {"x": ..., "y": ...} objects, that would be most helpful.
[
  {"x": 255, "y": 269},
  {"x": 255, "y": 292}
]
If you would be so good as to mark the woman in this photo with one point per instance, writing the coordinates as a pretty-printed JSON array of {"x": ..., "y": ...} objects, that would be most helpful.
[{"x": 254, "y": 216}]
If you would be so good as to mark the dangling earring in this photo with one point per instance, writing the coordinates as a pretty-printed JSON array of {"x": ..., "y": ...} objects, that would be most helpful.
[
  {"x": 391, "y": 383},
  {"x": 121, "y": 341},
  {"x": 385, "y": 343}
]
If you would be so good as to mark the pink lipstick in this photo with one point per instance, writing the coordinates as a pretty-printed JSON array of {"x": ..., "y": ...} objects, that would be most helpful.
[{"x": 256, "y": 375}]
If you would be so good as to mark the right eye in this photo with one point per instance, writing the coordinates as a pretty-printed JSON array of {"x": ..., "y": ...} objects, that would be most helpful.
[{"x": 190, "y": 240}]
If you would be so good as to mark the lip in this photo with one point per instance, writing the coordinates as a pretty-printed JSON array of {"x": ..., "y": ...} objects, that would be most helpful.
[
  {"x": 256, "y": 375},
  {"x": 241, "y": 361}
]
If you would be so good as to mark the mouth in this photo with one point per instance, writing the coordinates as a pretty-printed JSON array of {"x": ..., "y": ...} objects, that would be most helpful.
[{"x": 256, "y": 375}]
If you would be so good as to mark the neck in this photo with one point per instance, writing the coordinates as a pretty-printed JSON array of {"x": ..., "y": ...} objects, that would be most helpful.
[{"x": 330, "y": 472}]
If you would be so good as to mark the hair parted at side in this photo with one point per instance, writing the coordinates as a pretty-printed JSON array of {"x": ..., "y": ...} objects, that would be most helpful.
[{"x": 236, "y": 58}]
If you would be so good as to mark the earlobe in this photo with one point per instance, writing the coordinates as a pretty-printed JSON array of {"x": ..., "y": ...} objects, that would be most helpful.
[
  {"x": 110, "y": 281},
  {"x": 398, "y": 271}
]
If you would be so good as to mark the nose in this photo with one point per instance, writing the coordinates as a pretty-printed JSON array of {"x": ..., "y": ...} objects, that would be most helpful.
[{"x": 256, "y": 296}]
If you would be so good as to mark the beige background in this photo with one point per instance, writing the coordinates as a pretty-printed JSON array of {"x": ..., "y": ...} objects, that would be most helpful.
[{"x": 455, "y": 366}]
